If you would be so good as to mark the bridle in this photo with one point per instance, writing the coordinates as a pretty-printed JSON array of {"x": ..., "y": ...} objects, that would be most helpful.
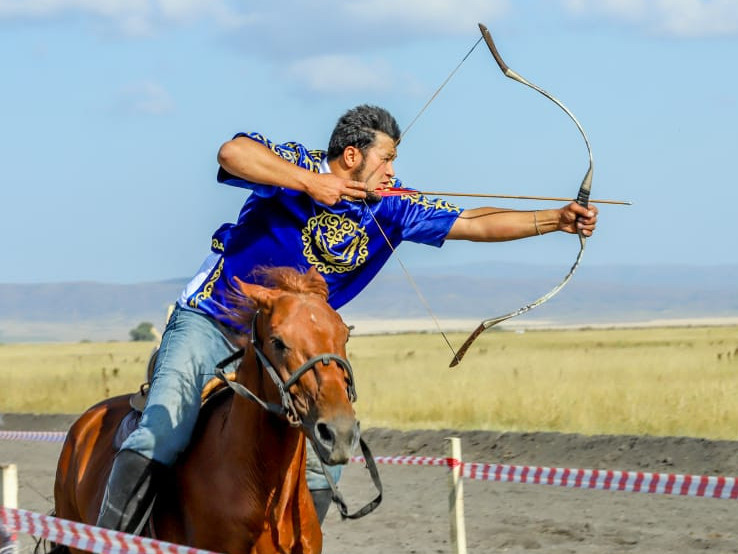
[{"x": 286, "y": 408}]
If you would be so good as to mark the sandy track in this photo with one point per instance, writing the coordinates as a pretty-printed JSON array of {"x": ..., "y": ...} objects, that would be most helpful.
[{"x": 499, "y": 517}]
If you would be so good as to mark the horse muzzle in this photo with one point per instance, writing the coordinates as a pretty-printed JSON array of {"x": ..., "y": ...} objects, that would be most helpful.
[{"x": 335, "y": 439}]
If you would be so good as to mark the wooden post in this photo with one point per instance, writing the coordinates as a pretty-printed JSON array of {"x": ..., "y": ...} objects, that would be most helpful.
[
  {"x": 456, "y": 497},
  {"x": 9, "y": 496}
]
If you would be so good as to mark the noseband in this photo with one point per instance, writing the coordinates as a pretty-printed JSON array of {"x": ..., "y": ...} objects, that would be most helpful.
[{"x": 287, "y": 408}]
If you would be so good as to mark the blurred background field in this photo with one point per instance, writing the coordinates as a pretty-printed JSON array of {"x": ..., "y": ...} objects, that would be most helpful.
[{"x": 680, "y": 381}]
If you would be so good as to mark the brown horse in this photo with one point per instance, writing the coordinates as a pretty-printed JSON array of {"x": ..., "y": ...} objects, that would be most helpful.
[{"x": 241, "y": 486}]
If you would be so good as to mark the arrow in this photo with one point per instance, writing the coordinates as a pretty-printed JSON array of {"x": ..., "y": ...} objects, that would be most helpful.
[{"x": 399, "y": 191}]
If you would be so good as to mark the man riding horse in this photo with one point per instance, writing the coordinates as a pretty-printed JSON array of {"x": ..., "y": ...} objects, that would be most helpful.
[
  {"x": 241, "y": 484},
  {"x": 306, "y": 208}
]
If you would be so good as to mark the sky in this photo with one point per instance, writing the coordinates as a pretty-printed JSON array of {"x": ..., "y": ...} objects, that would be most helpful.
[{"x": 112, "y": 113}]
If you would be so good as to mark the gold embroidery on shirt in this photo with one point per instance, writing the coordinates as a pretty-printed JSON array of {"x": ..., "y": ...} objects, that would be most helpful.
[
  {"x": 290, "y": 151},
  {"x": 427, "y": 203},
  {"x": 334, "y": 244},
  {"x": 217, "y": 245},
  {"x": 207, "y": 290},
  {"x": 316, "y": 157}
]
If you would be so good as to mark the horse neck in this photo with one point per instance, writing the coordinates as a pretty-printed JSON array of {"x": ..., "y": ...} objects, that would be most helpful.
[{"x": 252, "y": 432}]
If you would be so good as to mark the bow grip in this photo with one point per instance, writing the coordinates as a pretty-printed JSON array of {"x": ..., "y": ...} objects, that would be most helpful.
[
  {"x": 583, "y": 194},
  {"x": 583, "y": 198}
]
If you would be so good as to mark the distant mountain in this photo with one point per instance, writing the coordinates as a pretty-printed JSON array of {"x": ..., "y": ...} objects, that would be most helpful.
[
  {"x": 82, "y": 310},
  {"x": 596, "y": 295}
]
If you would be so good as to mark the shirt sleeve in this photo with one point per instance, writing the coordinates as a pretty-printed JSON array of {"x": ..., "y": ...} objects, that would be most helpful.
[
  {"x": 293, "y": 152},
  {"x": 420, "y": 218}
]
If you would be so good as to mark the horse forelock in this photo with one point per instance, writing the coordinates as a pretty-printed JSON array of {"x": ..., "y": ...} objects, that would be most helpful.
[
  {"x": 279, "y": 278},
  {"x": 292, "y": 280}
]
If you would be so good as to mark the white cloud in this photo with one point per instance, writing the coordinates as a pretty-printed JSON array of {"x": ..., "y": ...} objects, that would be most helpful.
[
  {"x": 445, "y": 16},
  {"x": 338, "y": 37},
  {"x": 339, "y": 74},
  {"x": 679, "y": 18},
  {"x": 282, "y": 30},
  {"x": 700, "y": 18},
  {"x": 294, "y": 23},
  {"x": 132, "y": 17},
  {"x": 188, "y": 11},
  {"x": 146, "y": 98}
]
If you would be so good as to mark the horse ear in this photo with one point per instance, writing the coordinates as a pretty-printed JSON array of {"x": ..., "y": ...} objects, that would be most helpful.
[
  {"x": 317, "y": 282},
  {"x": 263, "y": 297}
]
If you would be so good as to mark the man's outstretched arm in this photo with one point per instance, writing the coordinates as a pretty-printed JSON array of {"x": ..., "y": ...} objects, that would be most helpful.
[{"x": 499, "y": 224}]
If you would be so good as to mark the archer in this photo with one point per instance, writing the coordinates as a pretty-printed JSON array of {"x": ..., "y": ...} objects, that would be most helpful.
[{"x": 307, "y": 208}]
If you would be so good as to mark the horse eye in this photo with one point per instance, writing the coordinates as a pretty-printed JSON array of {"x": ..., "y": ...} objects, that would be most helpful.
[{"x": 278, "y": 344}]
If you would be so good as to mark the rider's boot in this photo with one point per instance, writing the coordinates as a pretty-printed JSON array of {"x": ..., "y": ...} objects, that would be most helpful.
[
  {"x": 322, "y": 499},
  {"x": 130, "y": 493}
]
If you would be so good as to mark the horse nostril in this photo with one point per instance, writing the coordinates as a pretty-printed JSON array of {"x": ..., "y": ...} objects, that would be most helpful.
[{"x": 326, "y": 434}]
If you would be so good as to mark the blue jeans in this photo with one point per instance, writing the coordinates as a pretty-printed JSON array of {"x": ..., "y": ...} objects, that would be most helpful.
[{"x": 190, "y": 348}]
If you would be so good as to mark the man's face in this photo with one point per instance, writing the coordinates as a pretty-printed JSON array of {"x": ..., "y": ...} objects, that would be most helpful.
[{"x": 375, "y": 168}]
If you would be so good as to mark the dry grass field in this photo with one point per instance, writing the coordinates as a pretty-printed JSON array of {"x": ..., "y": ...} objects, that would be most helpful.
[{"x": 658, "y": 381}]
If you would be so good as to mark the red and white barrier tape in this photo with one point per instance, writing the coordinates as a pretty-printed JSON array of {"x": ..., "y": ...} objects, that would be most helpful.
[
  {"x": 44, "y": 436},
  {"x": 597, "y": 479},
  {"x": 8, "y": 539},
  {"x": 406, "y": 460},
  {"x": 87, "y": 537}
]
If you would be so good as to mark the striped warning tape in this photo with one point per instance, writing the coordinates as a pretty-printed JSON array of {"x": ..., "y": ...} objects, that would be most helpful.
[
  {"x": 597, "y": 479},
  {"x": 44, "y": 436},
  {"x": 87, "y": 537}
]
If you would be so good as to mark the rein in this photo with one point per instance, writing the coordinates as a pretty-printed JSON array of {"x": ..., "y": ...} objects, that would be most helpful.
[
  {"x": 337, "y": 497},
  {"x": 287, "y": 409}
]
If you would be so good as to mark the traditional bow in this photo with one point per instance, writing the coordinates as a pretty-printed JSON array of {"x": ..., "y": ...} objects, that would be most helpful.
[{"x": 582, "y": 199}]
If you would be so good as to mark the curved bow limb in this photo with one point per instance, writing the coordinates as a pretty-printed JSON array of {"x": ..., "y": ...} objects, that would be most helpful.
[
  {"x": 582, "y": 199},
  {"x": 487, "y": 323},
  {"x": 586, "y": 186}
]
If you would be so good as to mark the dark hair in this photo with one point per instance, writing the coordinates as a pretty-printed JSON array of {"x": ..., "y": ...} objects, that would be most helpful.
[{"x": 358, "y": 127}]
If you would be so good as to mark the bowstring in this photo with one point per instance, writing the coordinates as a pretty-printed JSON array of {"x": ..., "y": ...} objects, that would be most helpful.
[
  {"x": 439, "y": 89},
  {"x": 412, "y": 281},
  {"x": 404, "y": 268}
]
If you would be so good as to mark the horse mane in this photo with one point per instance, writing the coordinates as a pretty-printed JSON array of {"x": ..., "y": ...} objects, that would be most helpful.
[
  {"x": 291, "y": 280},
  {"x": 287, "y": 279}
]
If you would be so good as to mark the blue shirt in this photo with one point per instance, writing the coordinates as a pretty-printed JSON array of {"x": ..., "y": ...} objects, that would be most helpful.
[{"x": 283, "y": 227}]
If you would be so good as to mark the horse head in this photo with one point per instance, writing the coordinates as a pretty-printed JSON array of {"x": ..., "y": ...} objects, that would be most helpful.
[{"x": 300, "y": 341}]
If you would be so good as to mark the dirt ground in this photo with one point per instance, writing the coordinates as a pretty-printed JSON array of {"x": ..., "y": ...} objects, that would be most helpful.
[{"x": 413, "y": 517}]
